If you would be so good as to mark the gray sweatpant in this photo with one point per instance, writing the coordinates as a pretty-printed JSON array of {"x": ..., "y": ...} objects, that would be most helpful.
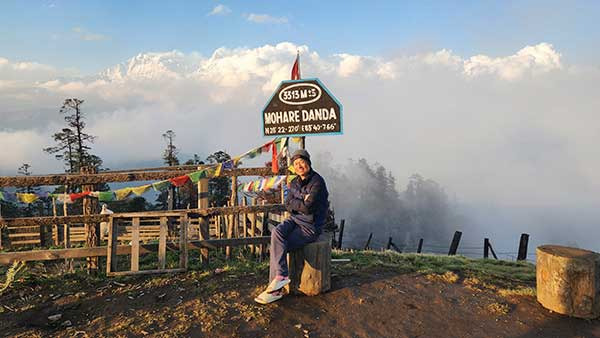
[{"x": 285, "y": 237}]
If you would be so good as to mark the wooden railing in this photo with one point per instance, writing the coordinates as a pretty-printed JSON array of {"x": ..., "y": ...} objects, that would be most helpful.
[
  {"x": 137, "y": 233},
  {"x": 250, "y": 229}
]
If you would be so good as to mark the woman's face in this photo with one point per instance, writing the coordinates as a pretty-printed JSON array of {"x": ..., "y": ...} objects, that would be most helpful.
[{"x": 301, "y": 166}]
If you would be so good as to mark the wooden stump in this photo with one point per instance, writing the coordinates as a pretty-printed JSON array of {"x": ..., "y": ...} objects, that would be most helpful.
[
  {"x": 310, "y": 267},
  {"x": 568, "y": 280}
]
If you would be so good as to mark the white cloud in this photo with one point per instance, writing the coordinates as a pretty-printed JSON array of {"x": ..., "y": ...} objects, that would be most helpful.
[
  {"x": 536, "y": 59},
  {"x": 266, "y": 18},
  {"x": 516, "y": 127},
  {"x": 26, "y": 147},
  {"x": 220, "y": 9},
  {"x": 86, "y": 35}
]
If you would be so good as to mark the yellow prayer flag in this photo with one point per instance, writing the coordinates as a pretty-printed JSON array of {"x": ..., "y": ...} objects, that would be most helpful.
[
  {"x": 122, "y": 193},
  {"x": 27, "y": 198},
  {"x": 138, "y": 191},
  {"x": 218, "y": 170},
  {"x": 270, "y": 183}
]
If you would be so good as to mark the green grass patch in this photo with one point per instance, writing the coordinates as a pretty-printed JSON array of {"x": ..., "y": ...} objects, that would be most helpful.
[{"x": 491, "y": 271}]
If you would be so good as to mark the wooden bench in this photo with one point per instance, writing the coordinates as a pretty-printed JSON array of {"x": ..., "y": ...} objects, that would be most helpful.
[{"x": 310, "y": 267}]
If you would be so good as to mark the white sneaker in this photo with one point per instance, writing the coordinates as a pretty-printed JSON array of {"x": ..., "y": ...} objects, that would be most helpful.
[
  {"x": 277, "y": 284},
  {"x": 267, "y": 297}
]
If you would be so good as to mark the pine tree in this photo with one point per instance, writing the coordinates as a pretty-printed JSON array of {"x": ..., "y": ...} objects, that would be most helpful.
[
  {"x": 167, "y": 200},
  {"x": 219, "y": 188},
  {"x": 73, "y": 144}
]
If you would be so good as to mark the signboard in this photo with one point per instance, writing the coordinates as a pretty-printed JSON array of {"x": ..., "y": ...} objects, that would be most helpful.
[{"x": 300, "y": 108}]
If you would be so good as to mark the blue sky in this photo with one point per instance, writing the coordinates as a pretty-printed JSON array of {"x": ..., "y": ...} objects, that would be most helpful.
[
  {"x": 495, "y": 100},
  {"x": 92, "y": 35}
]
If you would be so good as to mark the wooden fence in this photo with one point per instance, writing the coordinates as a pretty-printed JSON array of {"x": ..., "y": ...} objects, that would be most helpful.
[{"x": 138, "y": 233}]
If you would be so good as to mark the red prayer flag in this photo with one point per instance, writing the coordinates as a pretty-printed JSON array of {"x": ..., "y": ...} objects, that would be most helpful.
[
  {"x": 296, "y": 68},
  {"x": 79, "y": 195},
  {"x": 274, "y": 160},
  {"x": 179, "y": 181}
]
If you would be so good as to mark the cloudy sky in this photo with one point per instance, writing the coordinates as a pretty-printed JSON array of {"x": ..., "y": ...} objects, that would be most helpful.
[{"x": 498, "y": 102}]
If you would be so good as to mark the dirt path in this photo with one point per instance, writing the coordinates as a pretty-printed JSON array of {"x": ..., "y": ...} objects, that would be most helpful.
[{"x": 368, "y": 303}]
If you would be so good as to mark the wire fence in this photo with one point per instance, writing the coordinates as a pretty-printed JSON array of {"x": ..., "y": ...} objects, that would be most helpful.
[{"x": 468, "y": 249}]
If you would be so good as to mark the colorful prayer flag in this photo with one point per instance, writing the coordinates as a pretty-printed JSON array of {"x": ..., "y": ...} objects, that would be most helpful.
[
  {"x": 79, "y": 195},
  {"x": 138, "y": 191},
  {"x": 218, "y": 170},
  {"x": 270, "y": 183},
  {"x": 274, "y": 160},
  {"x": 106, "y": 196},
  {"x": 122, "y": 193},
  {"x": 282, "y": 143},
  {"x": 256, "y": 185},
  {"x": 279, "y": 180},
  {"x": 1, "y": 196},
  {"x": 228, "y": 165},
  {"x": 196, "y": 176},
  {"x": 161, "y": 186},
  {"x": 27, "y": 198},
  {"x": 296, "y": 68},
  {"x": 179, "y": 181},
  {"x": 64, "y": 198}
]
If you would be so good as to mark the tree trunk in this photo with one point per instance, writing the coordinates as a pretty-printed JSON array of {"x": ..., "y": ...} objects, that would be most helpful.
[
  {"x": 310, "y": 267},
  {"x": 568, "y": 280}
]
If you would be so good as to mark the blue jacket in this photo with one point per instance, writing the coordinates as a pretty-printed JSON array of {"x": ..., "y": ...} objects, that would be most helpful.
[{"x": 312, "y": 211}]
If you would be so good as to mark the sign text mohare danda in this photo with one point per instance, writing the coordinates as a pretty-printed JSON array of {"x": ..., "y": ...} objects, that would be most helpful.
[{"x": 302, "y": 107}]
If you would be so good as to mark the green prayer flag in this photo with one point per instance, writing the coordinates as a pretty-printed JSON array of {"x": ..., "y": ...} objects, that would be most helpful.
[
  {"x": 106, "y": 196},
  {"x": 161, "y": 186},
  {"x": 1, "y": 196},
  {"x": 196, "y": 176}
]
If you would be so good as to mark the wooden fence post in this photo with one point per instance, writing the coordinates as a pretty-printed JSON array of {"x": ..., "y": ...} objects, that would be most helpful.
[
  {"x": 420, "y": 246},
  {"x": 42, "y": 235},
  {"x": 232, "y": 224},
  {"x": 90, "y": 206},
  {"x": 389, "y": 243},
  {"x": 162, "y": 243},
  {"x": 67, "y": 232},
  {"x": 252, "y": 225},
  {"x": 135, "y": 244},
  {"x": 454, "y": 244},
  {"x": 204, "y": 224},
  {"x": 486, "y": 243},
  {"x": 202, "y": 192},
  {"x": 523, "y": 247},
  {"x": 341, "y": 236},
  {"x": 183, "y": 242},
  {"x": 368, "y": 241},
  {"x": 55, "y": 234},
  {"x": 111, "y": 258},
  {"x": 492, "y": 250}
]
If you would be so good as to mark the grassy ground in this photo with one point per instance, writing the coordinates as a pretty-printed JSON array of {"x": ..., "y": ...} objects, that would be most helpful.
[
  {"x": 497, "y": 272},
  {"x": 500, "y": 274}
]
